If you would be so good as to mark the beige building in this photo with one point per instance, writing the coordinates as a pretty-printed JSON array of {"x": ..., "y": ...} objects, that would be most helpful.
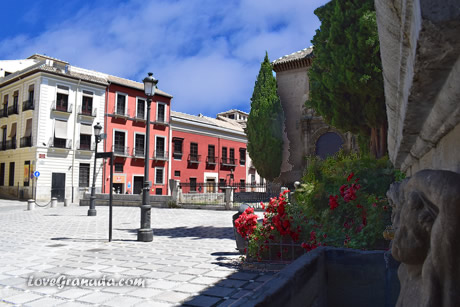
[{"x": 305, "y": 133}]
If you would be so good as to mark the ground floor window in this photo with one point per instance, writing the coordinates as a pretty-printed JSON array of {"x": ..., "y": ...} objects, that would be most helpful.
[
  {"x": 11, "y": 183},
  {"x": 83, "y": 181},
  {"x": 2, "y": 174},
  {"x": 26, "y": 173}
]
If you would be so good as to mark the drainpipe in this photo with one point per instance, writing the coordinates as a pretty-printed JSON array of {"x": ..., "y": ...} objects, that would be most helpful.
[
  {"x": 74, "y": 134},
  {"x": 106, "y": 131},
  {"x": 170, "y": 151}
]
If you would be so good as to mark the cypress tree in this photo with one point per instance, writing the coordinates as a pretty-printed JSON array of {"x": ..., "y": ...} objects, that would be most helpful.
[
  {"x": 346, "y": 82},
  {"x": 265, "y": 124}
]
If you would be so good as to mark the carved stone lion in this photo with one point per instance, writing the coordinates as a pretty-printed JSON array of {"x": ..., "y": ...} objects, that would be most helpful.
[{"x": 426, "y": 219}]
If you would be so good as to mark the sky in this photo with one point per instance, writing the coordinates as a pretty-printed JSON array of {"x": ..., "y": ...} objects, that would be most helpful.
[{"x": 205, "y": 53}]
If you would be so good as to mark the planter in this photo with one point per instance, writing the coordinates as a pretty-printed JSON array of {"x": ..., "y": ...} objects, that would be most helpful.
[{"x": 241, "y": 244}]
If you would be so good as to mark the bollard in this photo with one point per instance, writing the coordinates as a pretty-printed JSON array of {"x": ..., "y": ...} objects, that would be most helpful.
[
  {"x": 66, "y": 202},
  {"x": 53, "y": 202},
  {"x": 30, "y": 204}
]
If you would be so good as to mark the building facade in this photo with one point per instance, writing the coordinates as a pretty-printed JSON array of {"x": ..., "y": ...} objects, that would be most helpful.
[
  {"x": 209, "y": 151},
  {"x": 125, "y": 122},
  {"x": 48, "y": 112}
]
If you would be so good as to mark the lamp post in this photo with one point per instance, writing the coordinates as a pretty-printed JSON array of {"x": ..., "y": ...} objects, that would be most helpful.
[
  {"x": 92, "y": 206},
  {"x": 145, "y": 233}
]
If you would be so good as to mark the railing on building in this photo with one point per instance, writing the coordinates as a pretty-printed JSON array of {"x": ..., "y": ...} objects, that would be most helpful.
[
  {"x": 89, "y": 113},
  {"x": 85, "y": 146},
  {"x": 120, "y": 150},
  {"x": 3, "y": 145},
  {"x": 61, "y": 108},
  {"x": 28, "y": 105},
  {"x": 161, "y": 121},
  {"x": 194, "y": 159},
  {"x": 138, "y": 152},
  {"x": 228, "y": 161},
  {"x": 11, "y": 144},
  {"x": 60, "y": 143},
  {"x": 118, "y": 113},
  {"x": 4, "y": 112},
  {"x": 160, "y": 155},
  {"x": 140, "y": 117},
  {"x": 211, "y": 160},
  {"x": 13, "y": 109},
  {"x": 26, "y": 141}
]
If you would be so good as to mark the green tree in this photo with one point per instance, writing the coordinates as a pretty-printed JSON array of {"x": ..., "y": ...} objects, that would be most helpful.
[
  {"x": 346, "y": 82},
  {"x": 265, "y": 124}
]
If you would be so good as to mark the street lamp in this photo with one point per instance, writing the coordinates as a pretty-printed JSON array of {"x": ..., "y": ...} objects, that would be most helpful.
[
  {"x": 145, "y": 233},
  {"x": 92, "y": 206}
]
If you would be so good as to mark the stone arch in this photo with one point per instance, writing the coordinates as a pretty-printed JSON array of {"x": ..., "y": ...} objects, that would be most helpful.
[{"x": 327, "y": 131}]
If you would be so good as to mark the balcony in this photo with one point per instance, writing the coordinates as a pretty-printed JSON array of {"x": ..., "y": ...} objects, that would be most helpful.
[
  {"x": 87, "y": 113},
  {"x": 160, "y": 155},
  {"x": 211, "y": 160},
  {"x": 194, "y": 159},
  {"x": 3, "y": 145},
  {"x": 4, "y": 112},
  {"x": 85, "y": 146},
  {"x": 28, "y": 105},
  {"x": 13, "y": 109},
  {"x": 11, "y": 144},
  {"x": 138, "y": 153},
  {"x": 120, "y": 150},
  {"x": 161, "y": 121},
  {"x": 140, "y": 117},
  {"x": 60, "y": 143},
  {"x": 61, "y": 108},
  {"x": 118, "y": 113},
  {"x": 26, "y": 141},
  {"x": 228, "y": 162}
]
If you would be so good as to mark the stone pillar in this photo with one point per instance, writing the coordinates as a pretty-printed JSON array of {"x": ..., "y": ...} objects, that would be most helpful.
[
  {"x": 53, "y": 202},
  {"x": 31, "y": 204},
  {"x": 174, "y": 187},
  {"x": 228, "y": 198}
]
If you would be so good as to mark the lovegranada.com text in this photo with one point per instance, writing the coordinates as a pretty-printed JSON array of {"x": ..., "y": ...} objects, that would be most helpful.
[{"x": 62, "y": 281}]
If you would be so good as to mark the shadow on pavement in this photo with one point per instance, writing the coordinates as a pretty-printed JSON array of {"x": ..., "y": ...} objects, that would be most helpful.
[{"x": 198, "y": 232}]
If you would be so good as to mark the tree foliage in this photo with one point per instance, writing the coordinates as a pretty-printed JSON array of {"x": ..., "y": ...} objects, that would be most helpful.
[
  {"x": 265, "y": 124},
  {"x": 346, "y": 82}
]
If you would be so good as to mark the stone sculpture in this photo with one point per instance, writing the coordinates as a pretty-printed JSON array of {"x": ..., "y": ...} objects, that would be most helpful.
[{"x": 426, "y": 219}]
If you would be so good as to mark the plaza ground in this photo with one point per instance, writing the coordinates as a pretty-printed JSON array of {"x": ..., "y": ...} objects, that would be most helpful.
[{"x": 192, "y": 260}]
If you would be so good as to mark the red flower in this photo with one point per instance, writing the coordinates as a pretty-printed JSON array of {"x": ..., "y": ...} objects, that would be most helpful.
[
  {"x": 333, "y": 202},
  {"x": 350, "y": 176}
]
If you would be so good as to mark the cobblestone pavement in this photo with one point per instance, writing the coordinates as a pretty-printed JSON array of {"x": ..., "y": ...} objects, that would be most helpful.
[{"x": 192, "y": 260}]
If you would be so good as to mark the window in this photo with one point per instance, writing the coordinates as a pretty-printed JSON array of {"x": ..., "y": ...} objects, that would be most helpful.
[
  {"x": 140, "y": 108},
  {"x": 221, "y": 182},
  {"x": 261, "y": 181},
  {"x": 16, "y": 98},
  {"x": 160, "y": 147},
  {"x": 159, "y": 177},
  {"x": 121, "y": 104},
  {"x": 62, "y": 98},
  {"x": 87, "y": 103},
  {"x": 242, "y": 185},
  {"x": 119, "y": 142},
  {"x": 176, "y": 173},
  {"x": 211, "y": 154},
  {"x": 139, "y": 145},
  {"x": 161, "y": 112},
  {"x": 85, "y": 141},
  {"x": 31, "y": 93},
  {"x": 242, "y": 156},
  {"x": 231, "y": 116},
  {"x": 232, "y": 156},
  {"x": 2, "y": 174},
  {"x": 253, "y": 179},
  {"x": 192, "y": 184},
  {"x": 60, "y": 133},
  {"x": 118, "y": 167},
  {"x": 224, "y": 154},
  {"x": 177, "y": 148},
  {"x": 11, "y": 183},
  {"x": 83, "y": 178},
  {"x": 194, "y": 151}
]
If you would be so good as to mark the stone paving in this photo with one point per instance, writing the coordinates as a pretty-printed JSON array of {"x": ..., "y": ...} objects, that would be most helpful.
[{"x": 192, "y": 260}]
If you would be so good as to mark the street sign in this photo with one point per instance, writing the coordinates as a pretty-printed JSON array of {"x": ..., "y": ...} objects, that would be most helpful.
[
  {"x": 37, "y": 174},
  {"x": 104, "y": 155},
  {"x": 129, "y": 184}
]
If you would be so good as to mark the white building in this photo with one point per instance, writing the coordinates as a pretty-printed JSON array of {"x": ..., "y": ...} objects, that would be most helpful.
[{"x": 48, "y": 110}]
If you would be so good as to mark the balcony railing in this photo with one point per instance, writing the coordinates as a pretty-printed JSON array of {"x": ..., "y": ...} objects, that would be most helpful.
[
  {"x": 3, "y": 145},
  {"x": 26, "y": 141},
  {"x": 85, "y": 146},
  {"x": 161, "y": 121},
  {"x": 140, "y": 117},
  {"x": 211, "y": 160},
  {"x": 4, "y": 113},
  {"x": 120, "y": 150},
  {"x": 160, "y": 155},
  {"x": 13, "y": 109},
  {"x": 60, "y": 143},
  {"x": 194, "y": 158},
  {"x": 138, "y": 152},
  {"x": 85, "y": 112},
  {"x": 116, "y": 112},
  {"x": 61, "y": 108},
  {"x": 28, "y": 105},
  {"x": 228, "y": 161},
  {"x": 11, "y": 144}
]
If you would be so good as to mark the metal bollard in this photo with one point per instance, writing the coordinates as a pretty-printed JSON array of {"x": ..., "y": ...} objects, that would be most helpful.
[
  {"x": 53, "y": 202},
  {"x": 30, "y": 204},
  {"x": 66, "y": 202}
]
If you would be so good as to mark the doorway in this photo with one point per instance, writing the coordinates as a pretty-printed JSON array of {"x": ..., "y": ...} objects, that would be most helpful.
[
  {"x": 210, "y": 185},
  {"x": 118, "y": 188},
  {"x": 58, "y": 186},
  {"x": 138, "y": 184}
]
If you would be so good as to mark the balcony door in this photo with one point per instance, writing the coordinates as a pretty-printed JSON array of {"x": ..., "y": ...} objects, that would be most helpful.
[{"x": 119, "y": 142}]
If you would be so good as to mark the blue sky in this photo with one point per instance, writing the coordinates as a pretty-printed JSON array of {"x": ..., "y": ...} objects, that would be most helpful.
[{"x": 206, "y": 53}]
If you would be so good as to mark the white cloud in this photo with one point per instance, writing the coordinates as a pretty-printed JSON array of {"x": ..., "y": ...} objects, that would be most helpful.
[{"x": 205, "y": 53}]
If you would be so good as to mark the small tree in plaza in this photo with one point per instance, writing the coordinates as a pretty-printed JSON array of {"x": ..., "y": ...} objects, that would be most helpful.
[{"x": 265, "y": 124}]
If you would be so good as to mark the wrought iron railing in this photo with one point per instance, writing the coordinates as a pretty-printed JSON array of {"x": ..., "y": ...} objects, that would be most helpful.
[
  {"x": 211, "y": 160},
  {"x": 120, "y": 150},
  {"x": 85, "y": 112},
  {"x": 60, "y": 143},
  {"x": 67, "y": 108},
  {"x": 85, "y": 146},
  {"x": 13, "y": 109},
  {"x": 194, "y": 158},
  {"x": 228, "y": 161},
  {"x": 28, "y": 105},
  {"x": 160, "y": 155},
  {"x": 138, "y": 152},
  {"x": 26, "y": 141}
]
